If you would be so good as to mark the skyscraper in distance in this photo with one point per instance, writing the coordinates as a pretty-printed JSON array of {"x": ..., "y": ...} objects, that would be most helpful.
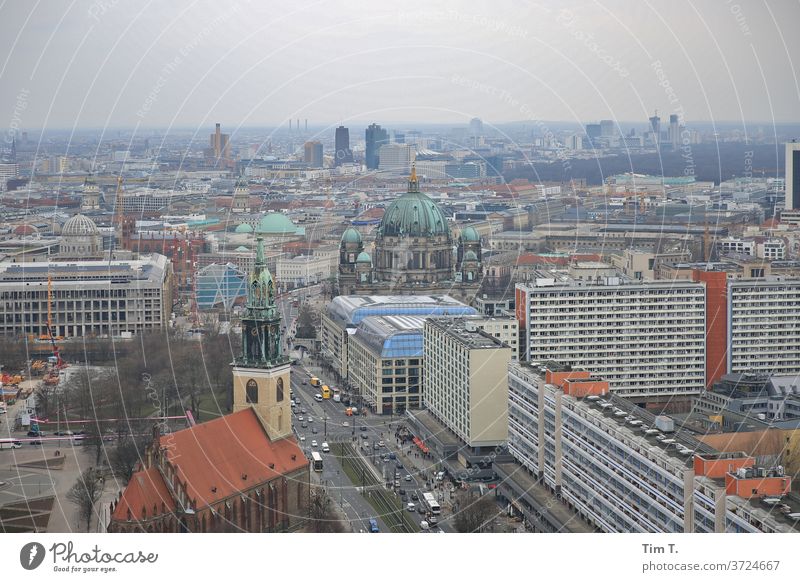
[
  {"x": 375, "y": 136},
  {"x": 312, "y": 154},
  {"x": 674, "y": 132},
  {"x": 344, "y": 155}
]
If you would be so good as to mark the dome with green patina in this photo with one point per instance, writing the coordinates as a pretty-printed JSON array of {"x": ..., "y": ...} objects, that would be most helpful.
[
  {"x": 351, "y": 236},
  {"x": 469, "y": 234},
  {"x": 363, "y": 257},
  {"x": 241, "y": 249},
  {"x": 413, "y": 214},
  {"x": 276, "y": 223},
  {"x": 244, "y": 228}
]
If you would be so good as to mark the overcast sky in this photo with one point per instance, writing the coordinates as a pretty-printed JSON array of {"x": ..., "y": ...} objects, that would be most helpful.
[{"x": 112, "y": 63}]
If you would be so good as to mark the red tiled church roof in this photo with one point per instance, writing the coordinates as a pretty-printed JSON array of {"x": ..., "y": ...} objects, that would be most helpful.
[{"x": 215, "y": 459}]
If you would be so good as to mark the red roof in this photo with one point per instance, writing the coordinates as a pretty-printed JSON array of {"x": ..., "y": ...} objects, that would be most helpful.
[
  {"x": 216, "y": 459},
  {"x": 218, "y": 453},
  {"x": 146, "y": 489}
]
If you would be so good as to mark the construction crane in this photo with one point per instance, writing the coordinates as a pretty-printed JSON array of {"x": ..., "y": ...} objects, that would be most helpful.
[{"x": 57, "y": 361}]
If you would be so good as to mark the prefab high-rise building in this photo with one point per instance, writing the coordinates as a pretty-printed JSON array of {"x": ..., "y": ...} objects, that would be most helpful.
[
  {"x": 674, "y": 132},
  {"x": 375, "y": 137},
  {"x": 792, "y": 176}
]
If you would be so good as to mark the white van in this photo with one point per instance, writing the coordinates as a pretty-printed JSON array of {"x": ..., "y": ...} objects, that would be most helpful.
[
  {"x": 318, "y": 397},
  {"x": 325, "y": 448}
]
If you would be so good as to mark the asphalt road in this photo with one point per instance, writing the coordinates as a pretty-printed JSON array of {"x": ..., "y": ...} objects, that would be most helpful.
[{"x": 374, "y": 428}]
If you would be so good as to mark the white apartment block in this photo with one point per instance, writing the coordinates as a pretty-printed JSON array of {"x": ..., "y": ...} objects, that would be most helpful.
[
  {"x": 303, "y": 270},
  {"x": 87, "y": 298},
  {"x": 607, "y": 462},
  {"x": 647, "y": 339},
  {"x": 465, "y": 381},
  {"x": 764, "y": 325}
]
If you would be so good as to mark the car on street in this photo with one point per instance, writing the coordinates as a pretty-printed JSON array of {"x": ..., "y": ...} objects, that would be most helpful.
[
  {"x": 302, "y": 411},
  {"x": 304, "y": 425},
  {"x": 365, "y": 436},
  {"x": 305, "y": 382},
  {"x": 424, "y": 525},
  {"x": 300, "y": 418},
  {"x": 401, "y": 492},
  {"x": 36, "y": 442},
  {"x": 314, "y": 430},
  {"x": 392, "y": 456},
  {"x": 399, "y": 465},
  {"x": 411, "y": 507},
  {"x": 35, "y": 433},
  {"x": 373, "y": 526},
  {"x": 375, "y": 446},
  {"x": 326, "y": 448},
  {"x": 310, "y": 419},
  {"x": 302, "y": 438},
  {"x": 381, "y": 444},
  {"x": 345, "y": 423},
  {"x": 414, "y": 496},
  {"x": 313, "y": 444},
  {"x": 408, "y": 477},
  {"x": 421, "y": 510},
  {"x": 363, "y": 427}
]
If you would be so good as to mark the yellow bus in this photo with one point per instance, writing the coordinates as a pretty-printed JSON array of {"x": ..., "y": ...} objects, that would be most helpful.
[{"x": 326, "y": 392}]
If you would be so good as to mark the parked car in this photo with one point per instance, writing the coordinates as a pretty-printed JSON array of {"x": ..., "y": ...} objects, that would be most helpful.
[{"x": 408, "y": 477}]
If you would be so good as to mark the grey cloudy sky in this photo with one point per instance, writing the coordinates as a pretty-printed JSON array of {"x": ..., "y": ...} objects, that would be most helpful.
[{"x": 111, "y": 63}]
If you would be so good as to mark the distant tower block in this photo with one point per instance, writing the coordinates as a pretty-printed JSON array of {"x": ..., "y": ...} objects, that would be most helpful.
[{"x": 306, "y": 124}]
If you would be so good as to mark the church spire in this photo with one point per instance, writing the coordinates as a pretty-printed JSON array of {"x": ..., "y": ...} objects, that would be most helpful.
[{"x": 413, "y": 183}]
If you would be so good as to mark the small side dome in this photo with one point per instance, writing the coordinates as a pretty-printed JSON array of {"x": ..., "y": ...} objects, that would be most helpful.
[
  {"x": 469, "y": 234},
  {"x": 470, "y": 256},
  {"x": 351, "y": 236},
  {"x": 241, "y": 249},
  {"x": 363, "y": 258},
  {"x": 244, "y": 228}
]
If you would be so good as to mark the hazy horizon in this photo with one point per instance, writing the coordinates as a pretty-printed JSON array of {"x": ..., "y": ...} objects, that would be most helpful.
[{"x": 114, "y": 64}]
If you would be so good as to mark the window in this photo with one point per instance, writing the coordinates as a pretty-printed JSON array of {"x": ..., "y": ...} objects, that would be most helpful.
[
  {"x": 252, "y": 392},
  {"x": 279, "y": 391}
]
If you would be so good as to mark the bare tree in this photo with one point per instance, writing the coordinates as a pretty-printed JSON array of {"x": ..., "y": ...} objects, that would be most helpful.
[
  {"x": 126, "y": 456},
  {"x": 85, "y": 493},
  {"x": 474, "y": 514},
  {"x": 307, "y": 322},
  {"x": 322, "y": 515}
]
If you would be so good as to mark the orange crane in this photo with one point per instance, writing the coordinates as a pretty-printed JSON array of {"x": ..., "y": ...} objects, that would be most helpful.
[{"x": 59, "y": 363}]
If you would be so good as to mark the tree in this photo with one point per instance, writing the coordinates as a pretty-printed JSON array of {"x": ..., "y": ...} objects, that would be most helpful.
[
  {"x": 474, "y": 513},
  {"x": 307, "y": 321},
  {"x": 322, "y": 515},
  {"x": 85, "y": 493},
  {"x": 126, "y": 455}
]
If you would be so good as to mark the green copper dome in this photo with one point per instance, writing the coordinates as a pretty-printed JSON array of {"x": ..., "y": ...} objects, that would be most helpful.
[
  {"x": 363, "y": 258},
  {"x": 276, "y": 223},
  {"x": 244, "y": 228},
  {"x": 351, "y": 235},
  {"x": 413, "y": 214},
  {"x": 469, "y": 234}
]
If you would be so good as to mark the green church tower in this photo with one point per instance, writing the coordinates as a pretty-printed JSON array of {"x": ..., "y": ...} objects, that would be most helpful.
[{"x": 261, "y": 375}]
